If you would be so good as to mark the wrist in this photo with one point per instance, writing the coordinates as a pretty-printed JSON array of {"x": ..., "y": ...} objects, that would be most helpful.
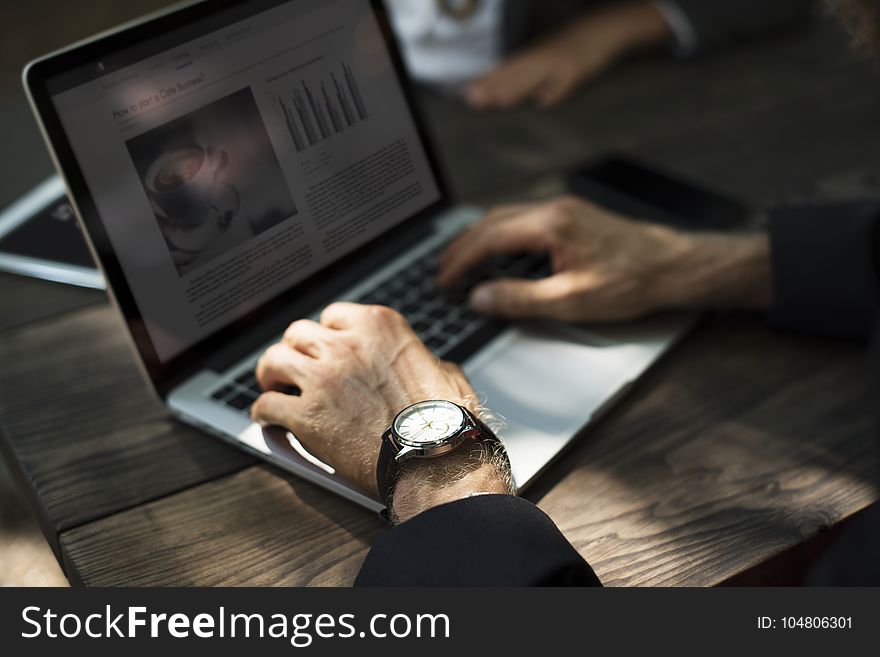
[
  {"x": 716, "y": 271},
  {"x": 424, "y": 484},
  {"x": 620, "y": 29}
]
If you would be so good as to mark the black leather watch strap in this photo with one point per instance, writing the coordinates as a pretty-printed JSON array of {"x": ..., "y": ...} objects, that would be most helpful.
[{"x": 386, "y": 469}]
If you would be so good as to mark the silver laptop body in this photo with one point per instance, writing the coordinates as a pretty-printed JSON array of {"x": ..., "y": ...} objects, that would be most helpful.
[{"x": 236, "y": 166}]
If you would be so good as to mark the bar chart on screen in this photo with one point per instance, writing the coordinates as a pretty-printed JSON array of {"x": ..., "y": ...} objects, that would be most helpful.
[{"x": 316, "y": 110}]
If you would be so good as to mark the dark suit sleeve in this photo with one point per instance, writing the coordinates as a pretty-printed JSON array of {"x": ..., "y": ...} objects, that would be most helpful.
[
  {"x": 721, "y": 22},
  {"x": 826, "y": 268},
  {"x": 825, "y": 273},
  {"x": 487, "y": 540}
]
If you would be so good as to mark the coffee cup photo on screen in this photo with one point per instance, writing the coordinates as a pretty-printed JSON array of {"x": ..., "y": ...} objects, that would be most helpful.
[{"x": 212, "y": 179}]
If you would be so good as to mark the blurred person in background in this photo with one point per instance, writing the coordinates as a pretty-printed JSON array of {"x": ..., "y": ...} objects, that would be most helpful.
[{"x": 503, "y": 53}]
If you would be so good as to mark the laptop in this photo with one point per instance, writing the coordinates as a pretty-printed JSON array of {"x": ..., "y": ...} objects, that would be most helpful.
[{"x": 237, "y": 165}]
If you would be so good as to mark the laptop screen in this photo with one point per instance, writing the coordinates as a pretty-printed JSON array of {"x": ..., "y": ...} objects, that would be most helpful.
[{"x": 232, "y": 165}]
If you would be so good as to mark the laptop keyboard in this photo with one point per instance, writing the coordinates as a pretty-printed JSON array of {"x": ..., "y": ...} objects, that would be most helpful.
[
  {"x": 441, "y": 319},
  {"x": 241, "y": 392}
]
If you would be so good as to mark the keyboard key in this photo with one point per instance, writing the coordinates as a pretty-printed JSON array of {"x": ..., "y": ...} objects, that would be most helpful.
[
  {"x": 378, "y": 297},
  {"x": 222, "y": 393},
  {"x": 410, "y": 308},
  {"x": 422, "y": 326},
  {"x": 435, "y": 342},
  {"x": 456, "y": 297},
  {"x": 405, "y": 280},
  {"x": 442, "y": 317},
  {"x": 439, "y": 313},
  {"x": 454, "y": 328},
  {"x": 240, "y": 402},
  {"x": 246, "y": 378}
]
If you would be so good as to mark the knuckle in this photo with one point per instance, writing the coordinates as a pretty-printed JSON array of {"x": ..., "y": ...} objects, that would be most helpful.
[
  {"x": 295, "y": 328},
  {"x": 384, "y": 314},
  {"x": 333, "y": 309},
  {"x": 557, "y": 215},
  {"x": 274, "y": 353},
  {"x": 566, "y": 289},
  {"x": 264, "y": 361},
  {"x": 259, "y": 406}
]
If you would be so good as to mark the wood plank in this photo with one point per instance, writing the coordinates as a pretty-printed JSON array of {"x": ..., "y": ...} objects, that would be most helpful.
[
  {"x": 25, "y": 300},
  {"x": 763, "y": 121},
  {"x": 254, "y": 528},
  {"x": 83, "y": 429},
  {"x": 739, "y": 445},
  {"x": 743, "y": 443}
]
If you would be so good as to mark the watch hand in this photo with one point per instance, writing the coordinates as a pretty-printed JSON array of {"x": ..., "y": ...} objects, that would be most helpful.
[{"x": 420, "y": 431}]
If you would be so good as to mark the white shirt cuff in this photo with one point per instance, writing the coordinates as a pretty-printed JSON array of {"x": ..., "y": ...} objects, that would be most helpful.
[{"x": 687, "y": 41}]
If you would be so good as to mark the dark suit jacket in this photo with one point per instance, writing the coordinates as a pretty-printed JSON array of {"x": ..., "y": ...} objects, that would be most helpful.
[
  {"x": 825, "y": 271},
  {"x": 716, "y": 22}
]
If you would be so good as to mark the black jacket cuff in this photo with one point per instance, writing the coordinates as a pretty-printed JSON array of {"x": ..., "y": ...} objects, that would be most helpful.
[
  {"x": 720, "y": 22},
  {"x": 824, "y": 261},
  {"x": 487, "y": 540}
]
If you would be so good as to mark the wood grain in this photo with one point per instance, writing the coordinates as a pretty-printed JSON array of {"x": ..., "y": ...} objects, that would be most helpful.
[
  {"x": 765, "y": 122},
  {"x": 255, "y": 528},
  {"x": 743, "y": 443},
  {"x": 740, "y": 445},
  {"x": 25, "y": 300},
  {"x": 731, "y": 451},
  {"x": 83, "y": 428}
]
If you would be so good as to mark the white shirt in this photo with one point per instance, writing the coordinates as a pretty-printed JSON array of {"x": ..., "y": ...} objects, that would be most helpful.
[{"x": 443, "y": 50}]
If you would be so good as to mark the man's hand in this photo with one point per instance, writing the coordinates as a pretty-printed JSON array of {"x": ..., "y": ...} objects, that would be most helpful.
[
  {"x": 606, "y": 267},
  {"x": 549, "y": 72},
  {"x": 357, "y": 369}
]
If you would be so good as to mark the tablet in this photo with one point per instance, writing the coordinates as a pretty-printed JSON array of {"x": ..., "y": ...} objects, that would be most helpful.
[{"x": 40, "y": 238}]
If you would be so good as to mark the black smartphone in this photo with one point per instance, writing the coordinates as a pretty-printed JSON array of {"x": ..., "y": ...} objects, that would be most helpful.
[{"x": 644, "y": 193}]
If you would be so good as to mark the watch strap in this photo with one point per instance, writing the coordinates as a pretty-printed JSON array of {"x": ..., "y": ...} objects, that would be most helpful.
[{"x": 387, "y": 466}]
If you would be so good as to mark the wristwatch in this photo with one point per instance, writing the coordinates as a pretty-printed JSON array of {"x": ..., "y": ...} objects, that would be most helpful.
[{"x": 425, "y": 430}]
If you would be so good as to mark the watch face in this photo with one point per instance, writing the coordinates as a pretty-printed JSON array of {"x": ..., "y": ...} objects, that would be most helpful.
[{"x": 428, "y": 423}]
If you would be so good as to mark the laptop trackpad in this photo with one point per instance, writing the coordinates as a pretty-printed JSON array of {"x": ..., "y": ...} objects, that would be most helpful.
[{"x": 546, "y": 382}]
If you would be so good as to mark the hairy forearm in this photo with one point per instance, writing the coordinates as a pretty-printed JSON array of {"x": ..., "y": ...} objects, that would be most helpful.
[
  {"x": 716, "y": 271},
  {"x": 429, "y": 483}
]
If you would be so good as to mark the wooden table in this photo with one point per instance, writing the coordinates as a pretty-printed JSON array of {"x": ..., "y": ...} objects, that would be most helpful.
[{"x": 728, "y": 463}]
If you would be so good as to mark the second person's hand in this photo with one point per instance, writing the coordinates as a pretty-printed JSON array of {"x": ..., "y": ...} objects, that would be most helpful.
[
  {"x": 549, "y": 72},
  {"x": 606, "y": 267}
]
